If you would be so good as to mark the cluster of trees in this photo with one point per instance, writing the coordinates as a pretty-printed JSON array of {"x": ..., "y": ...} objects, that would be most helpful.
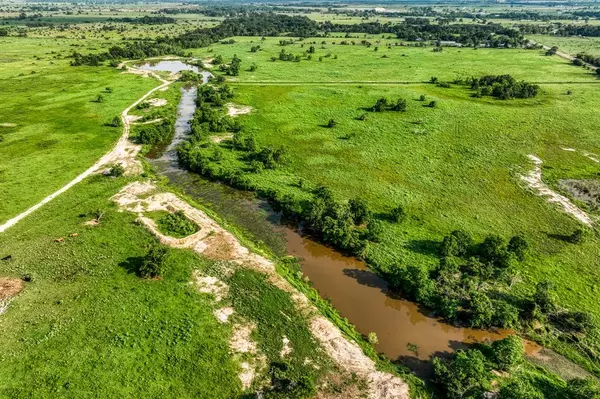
[
  {"x": 156, "y": 133},
  {"x": 466, "y": 287},
  {"x": 233, "y": 69},
  {"x": 503, "y": 87},
  {"x": 590, "y": 59},
  {"x": 383, "y": 104},
  {"x": 177, "y": 223},
  {"x": 468, "y": 375}
]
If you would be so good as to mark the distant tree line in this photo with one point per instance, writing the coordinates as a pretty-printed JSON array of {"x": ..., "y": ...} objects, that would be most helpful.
[
  {"x": 560, "y": 29},
  {"x": 251, "y": 25},
  {"x": 412, "y": 29},
  {"x": 146, "y": 20}
]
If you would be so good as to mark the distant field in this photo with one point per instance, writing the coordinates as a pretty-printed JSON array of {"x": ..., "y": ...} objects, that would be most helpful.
[
  {"x": 403, "y": 63},
  {"x": 571, "y": 45},
  {"x": 55, "y": 129}
]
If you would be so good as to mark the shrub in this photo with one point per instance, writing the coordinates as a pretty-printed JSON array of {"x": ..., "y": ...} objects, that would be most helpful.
[
  {"x": 465, "y": 376},
  {"x": 577, "y": 237},
  {"x": 458, "y": 243},
  {"x": 116, "y": 170},
  {"x": 116, "y": 121},
  {"x": 331, "y": 123},
  {"x": 398, "y": 214},
  {"x": 374, "y": 230},
  {"x": 177, "y": 224},
  {"x": 506, "y": 315},
  {"x": 518, "y": 246},
  {"x": 432, "y": 104},
  {"x": 153, "y": 264},
  {"x": 508, "y": 352},
  {"x": 360, "y": 210},
  {"x": 482, "y": 310},
  {"x": 544, "y": 298}
]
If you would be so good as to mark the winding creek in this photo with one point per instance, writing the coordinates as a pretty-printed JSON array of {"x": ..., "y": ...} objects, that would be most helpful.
[{"x": 406, "y": 332}]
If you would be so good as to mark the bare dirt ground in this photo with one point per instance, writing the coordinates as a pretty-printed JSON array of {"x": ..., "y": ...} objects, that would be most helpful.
[
  {"x": 234, "y": 110},
  {"x": 218, "y": 139},
  {"x": 157, "y": 102},
  {"x": 535, "y": 182},
  {"x": 6, "y": 124},
  {"x": 9, "y": 288},
  {"x": 215, "y": 242}
]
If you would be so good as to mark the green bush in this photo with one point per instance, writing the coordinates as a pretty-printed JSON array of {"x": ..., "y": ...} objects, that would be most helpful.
[
  {"x": 177, "y": 225},
  {"x": 153, "y": 264},
  {"x": 508, "y": 352}
]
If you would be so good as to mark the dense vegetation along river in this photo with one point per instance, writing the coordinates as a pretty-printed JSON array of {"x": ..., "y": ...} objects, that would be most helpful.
[{"x": 405, "y": 331}]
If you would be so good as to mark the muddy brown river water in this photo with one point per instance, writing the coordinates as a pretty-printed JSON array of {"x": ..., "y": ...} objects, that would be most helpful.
[{"x": 406, "y": 332}]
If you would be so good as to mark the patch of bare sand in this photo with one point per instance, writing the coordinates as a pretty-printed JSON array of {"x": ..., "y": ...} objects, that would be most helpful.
[
  {"x": 286, "y": 348},
  {"x": 157, "y": 102},
  {"x": 223, "y": 314},
  {"x": 218, "y": 243},
  {"x": 9, "y": 288},
  {"x": 218, "y": 139},
  {"x": 208, "y": 63},
  {"x": 234, "y": 110},
  {"x": 5, "y": 124},
  {"x": 535, "y": 182},
  {"x": 211, "y": 285}
]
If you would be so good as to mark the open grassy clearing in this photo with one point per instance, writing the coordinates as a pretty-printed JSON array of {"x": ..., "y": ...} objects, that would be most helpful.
[
  {"x": 59, "y": 127},
  {"x": 571, "y": 45},
  {"x": 404, "y": 63},
  {"x": 128, "y": 336}
]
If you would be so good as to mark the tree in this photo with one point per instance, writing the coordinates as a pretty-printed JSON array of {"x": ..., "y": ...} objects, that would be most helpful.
[
  {"x": 432, "y": 104},
  {"x": 380, "y": 105},
  {"x": 458, "y": 243},
  {"x": 482, "y": 310},
  {"x": 153, "y": 264},
  {"x": 519, "y": 389},
  {"x": 544, "y": 298},
  {"x": 398, "y": 214},
  {"x": 508, "y": 352},
  {"x": 400, "y": 105},
  {"x": 374, "y": 230},
  {"x": 518, "y": 246},
  {"x": 116, "y": 121},
  {"x": 465, "y": 376},
  {"x": 360, "y": 210},
  {"x": 331, "y": 123},
  {"x": 577, "y": 237},
  {"x": 493, "y": 249},
  {"x": 506, "y": 315}
]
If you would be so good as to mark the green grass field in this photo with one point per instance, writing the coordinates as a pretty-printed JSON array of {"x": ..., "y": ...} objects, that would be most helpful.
[
  {"x": 571, "y": 45},
  {"x": 87, "y": 325},
  {"x": 56, "y": 129}
]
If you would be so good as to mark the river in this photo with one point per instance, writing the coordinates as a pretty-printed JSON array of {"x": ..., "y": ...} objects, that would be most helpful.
[{"x": 406, "y": 332}]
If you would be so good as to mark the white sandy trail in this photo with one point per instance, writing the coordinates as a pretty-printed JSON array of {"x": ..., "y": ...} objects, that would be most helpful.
[
  {"x": 118, "y": 152},
  {"x": 534, "y": 181}
]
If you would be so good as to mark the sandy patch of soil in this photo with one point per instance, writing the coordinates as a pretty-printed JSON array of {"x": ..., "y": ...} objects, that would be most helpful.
[
  {"x": 8, "y": 124},
  {"x": 9, "y": 288},
  {"x": 241, "y": 343},
  {"x": 157, "y": 102},
  {"x": 218, "y": 139},
  {"x": 535, "y": 182},
  {"x": 150, "y": 122},
  {"x": 223, "y": 314},
  {"x": 211, "y": 285},
  {"x": 568, "y": 149},
  {"x": 217, "y": 243},
  {"x": 208, "y": 63},
  {"x": 587, "y": 191},
  {"x": 234, "y": 110},
  {"x": 286, "y": 349}
]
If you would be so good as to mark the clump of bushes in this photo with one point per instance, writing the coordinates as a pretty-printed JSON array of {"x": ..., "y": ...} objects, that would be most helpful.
[
  {"x": 177, "y": 225},
  {"x": 503, "y": 87},
  {"x": 116, "y": 170},
  {"x": 156, "y": 133},
  {"x": 383, "y": 104},
  {"x": 153, "y": 264}
]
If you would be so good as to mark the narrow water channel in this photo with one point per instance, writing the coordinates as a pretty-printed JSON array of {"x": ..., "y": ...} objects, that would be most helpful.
[{"x": 406, "y": 332}]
